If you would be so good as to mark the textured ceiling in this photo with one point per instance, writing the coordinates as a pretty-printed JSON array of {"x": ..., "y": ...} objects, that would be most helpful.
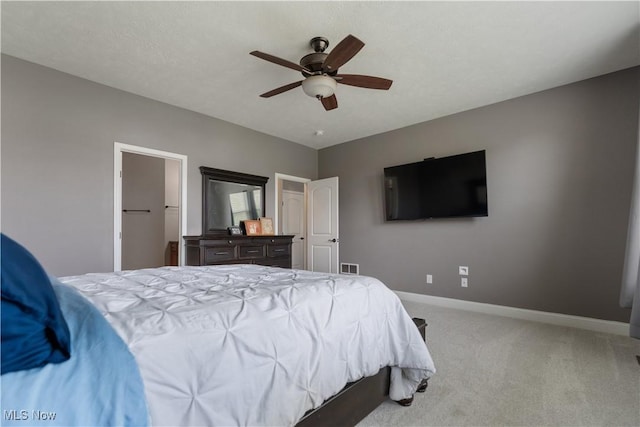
[{"x": 444, "y": 57}]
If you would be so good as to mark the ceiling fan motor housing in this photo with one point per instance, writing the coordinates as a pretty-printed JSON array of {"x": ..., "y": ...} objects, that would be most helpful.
[{"x": 313, "y": 62}]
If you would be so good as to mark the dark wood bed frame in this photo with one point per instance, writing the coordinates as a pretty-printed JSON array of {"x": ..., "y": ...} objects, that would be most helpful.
[{"x": 357, "y": 399}]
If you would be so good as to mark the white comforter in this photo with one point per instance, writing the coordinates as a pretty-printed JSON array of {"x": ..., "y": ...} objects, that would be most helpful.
[{"x": 253, "y": 345}]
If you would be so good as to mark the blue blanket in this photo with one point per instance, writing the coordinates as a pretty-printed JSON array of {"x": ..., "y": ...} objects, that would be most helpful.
[{"x": 100, "y": 384}]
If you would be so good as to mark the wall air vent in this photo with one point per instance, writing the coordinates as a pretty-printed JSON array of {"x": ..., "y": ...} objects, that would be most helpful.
[{"x": 348, "y": 268}]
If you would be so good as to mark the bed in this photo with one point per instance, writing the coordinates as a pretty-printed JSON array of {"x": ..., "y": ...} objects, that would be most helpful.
[{"x": 254, "y": 345}]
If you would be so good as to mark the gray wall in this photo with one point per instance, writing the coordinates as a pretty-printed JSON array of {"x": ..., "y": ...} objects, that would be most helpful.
[
  {"x": 58, "y": 133},
  {"x": 559, "y": 166}
]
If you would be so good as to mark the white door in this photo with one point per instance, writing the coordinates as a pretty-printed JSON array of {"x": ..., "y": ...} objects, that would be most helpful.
[
  {"x": 322, "y": 225},
  {"x": 293, "y": 222}
]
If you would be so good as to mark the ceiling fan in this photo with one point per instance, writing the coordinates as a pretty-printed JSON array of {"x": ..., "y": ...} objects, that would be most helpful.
[{"x": 320, "y": 71}]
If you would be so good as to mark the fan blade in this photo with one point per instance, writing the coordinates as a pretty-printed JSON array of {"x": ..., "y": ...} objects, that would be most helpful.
[
  {"x": 343, "y": 52},
  {"x": 281, "y": 89},
  {"x": 279, "y": 61},
  {"x": 368, "y": 82},
  {"x": 330, "y": 102}
]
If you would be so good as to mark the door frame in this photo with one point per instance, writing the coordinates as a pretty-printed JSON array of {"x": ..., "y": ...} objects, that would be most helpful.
[{"x": 118, "y": 149}]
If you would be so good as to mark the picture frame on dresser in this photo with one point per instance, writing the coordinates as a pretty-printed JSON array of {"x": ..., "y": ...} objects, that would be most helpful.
[
  {"x": 234, "y": 230},
  {"x": 266, "y": 225},
  {"x": 252, "y": 227}
]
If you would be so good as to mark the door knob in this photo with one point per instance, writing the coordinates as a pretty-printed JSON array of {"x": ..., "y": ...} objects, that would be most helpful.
[
  {"x": 334, "y": 240},
  {"x": 302, "y": 238}
]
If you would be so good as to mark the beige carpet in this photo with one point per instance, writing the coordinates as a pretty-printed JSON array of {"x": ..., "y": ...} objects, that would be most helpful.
[{"x": 498, "y": 371}]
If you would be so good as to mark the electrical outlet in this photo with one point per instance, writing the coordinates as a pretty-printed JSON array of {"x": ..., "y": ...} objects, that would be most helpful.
[
  {"x": 463, "y": 271},
  {"x": 464, "y": 282},
  {"x": 429, "y": 279}
]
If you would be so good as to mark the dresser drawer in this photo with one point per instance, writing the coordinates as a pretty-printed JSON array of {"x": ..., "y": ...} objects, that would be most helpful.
[
  {"x": 278, "y": 250},
  {"x": 254, "y": 251},
  {"x": 216, "y": 254}
]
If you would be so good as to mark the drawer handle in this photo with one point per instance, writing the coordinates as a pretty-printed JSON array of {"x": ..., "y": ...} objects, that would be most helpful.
[
  {"x": 278, "y": 250},
  {"x": 253, "y": 252},
  {"x": 222, "y": 253}
]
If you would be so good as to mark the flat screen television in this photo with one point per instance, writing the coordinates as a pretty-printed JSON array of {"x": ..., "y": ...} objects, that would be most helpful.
[{"x": 447, "y": 187}]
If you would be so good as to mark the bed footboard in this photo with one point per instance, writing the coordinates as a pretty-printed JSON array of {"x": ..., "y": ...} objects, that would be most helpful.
[
  {"x": 421, "y": 325},
  {"x": 358, "y": 399},
  {"x": 354, "y": 402}
]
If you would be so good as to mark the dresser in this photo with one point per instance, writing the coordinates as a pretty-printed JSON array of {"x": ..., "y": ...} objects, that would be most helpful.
[{"x": 214, "y": 250}]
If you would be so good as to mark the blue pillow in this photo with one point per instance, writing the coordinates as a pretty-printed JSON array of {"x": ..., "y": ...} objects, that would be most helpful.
[{"x": 33, "y": 329}]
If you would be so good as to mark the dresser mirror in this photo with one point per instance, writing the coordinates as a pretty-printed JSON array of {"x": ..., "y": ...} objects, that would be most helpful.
[{"x": 228, "y": 198}]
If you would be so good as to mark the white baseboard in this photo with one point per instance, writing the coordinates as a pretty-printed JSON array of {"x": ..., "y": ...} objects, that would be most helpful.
[{"x": 596, "y": 325}]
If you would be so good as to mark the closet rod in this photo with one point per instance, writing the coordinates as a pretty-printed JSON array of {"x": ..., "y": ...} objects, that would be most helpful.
[{"x": 136, "y": 210}]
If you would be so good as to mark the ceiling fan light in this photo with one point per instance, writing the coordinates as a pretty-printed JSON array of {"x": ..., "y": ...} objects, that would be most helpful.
[{"x": 319, "y": 86}]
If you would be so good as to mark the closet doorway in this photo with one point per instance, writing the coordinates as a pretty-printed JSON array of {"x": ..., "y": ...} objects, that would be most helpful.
[
  {"x": 149, "y": 207},
  {"x": 291, "y": 215}
]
